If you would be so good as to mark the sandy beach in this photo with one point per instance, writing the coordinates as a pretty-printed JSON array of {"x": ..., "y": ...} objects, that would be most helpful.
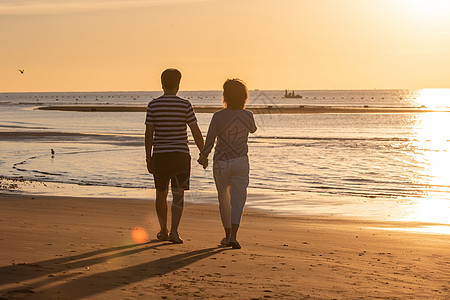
[
  {"x": 73, "y": 248},
  {"x": 341, "y": 154}
]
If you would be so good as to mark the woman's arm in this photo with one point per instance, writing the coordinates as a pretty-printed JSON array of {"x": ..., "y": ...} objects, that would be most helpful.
[
  {"x": 253, "y": 124},
  {"x": 209, "y": 143}
]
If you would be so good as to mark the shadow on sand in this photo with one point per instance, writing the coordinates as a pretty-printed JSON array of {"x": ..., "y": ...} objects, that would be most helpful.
[{"x": 56, "y": 272}]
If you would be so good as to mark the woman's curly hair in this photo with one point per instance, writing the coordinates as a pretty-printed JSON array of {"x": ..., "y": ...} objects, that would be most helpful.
[{"x": 235, "y": 93}]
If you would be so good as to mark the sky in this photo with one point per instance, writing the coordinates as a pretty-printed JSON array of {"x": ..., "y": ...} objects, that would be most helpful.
[{"x": 124, "y": 45}]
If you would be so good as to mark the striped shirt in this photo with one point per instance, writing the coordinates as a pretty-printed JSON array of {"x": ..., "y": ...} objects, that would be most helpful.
[{"x": 169, "y": 114}]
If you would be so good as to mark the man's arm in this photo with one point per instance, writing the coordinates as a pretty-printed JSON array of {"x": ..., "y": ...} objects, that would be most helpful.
[
  {"x": 197, "y": 135},
  {"x": 149, "y": 131},
  {"x": 198, "y": 138}
]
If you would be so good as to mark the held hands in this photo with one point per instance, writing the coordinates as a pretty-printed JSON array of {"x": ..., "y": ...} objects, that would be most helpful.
[{"x": 203, "y": 160}]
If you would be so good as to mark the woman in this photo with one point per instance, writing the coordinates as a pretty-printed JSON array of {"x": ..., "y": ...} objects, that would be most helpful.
[{"x": 231, "y": 127}]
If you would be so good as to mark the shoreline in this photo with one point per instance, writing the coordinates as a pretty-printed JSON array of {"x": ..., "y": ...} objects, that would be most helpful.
[
  {"x": 311, "y": 206},
  {"x": 67, "y": 247},
  {"x": 266, "y": 109}
]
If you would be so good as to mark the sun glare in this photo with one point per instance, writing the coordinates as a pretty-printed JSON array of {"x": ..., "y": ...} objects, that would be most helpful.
[
  {"x": 431, "y": 8},
  {"x": 434, "y": 98},
  {"x": 433, "y": 153}
]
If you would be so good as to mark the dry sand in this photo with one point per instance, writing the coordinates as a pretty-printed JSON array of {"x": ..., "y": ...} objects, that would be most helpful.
[{"x": 73, "y": 248}]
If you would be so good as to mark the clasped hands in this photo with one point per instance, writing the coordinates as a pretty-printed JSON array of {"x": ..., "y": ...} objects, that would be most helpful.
[{"x": 203, "y": 160}]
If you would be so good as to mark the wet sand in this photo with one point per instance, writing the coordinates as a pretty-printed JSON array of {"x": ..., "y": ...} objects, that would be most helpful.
[
  {"x": 72, "y": 248},
  {"x": 267, "y": 109}
]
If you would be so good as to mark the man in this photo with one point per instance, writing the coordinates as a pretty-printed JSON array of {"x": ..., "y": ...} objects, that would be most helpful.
[{"x": 167, "y": 151}]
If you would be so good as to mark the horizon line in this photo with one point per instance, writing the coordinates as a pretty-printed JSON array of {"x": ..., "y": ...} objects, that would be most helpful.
[{"x": 213, "y": 90}]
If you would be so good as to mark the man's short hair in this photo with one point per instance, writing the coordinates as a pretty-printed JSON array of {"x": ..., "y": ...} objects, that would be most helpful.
[
  {"x": 170, "y": 78},
  {"x": 235, "y": 93}
]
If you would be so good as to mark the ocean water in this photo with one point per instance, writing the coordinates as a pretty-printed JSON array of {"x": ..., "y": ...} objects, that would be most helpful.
[{"x": 381, "y": 166}]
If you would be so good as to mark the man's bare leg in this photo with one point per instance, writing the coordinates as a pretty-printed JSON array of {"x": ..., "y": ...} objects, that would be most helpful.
[
  {"x": 177, "y": 208},
  {"x": 161, "y": 209}
]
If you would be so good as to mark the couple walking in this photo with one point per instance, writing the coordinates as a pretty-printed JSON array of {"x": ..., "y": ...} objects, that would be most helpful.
[{"x": 168, "y": 159}]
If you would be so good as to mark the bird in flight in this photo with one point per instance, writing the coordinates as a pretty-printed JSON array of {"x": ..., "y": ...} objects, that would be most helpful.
[{"x": 21, "y": 71}]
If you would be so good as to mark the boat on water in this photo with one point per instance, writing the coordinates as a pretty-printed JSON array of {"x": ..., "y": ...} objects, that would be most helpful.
[{"x": 292, "y": 94}]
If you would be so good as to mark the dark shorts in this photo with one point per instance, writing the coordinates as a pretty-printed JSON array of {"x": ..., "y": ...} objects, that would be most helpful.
[{"x": 174, "y": 167}]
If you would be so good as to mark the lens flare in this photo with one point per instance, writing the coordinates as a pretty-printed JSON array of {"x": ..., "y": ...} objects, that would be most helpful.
[{"x": 139, "y": 235}]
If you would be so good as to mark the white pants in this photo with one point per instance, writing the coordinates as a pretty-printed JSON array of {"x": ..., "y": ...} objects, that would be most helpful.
[{"x": 231, "y": 178}]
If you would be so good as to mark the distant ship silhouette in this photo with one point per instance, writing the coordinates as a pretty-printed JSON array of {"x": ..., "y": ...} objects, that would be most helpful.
[{"x": 291, "y": 94}]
